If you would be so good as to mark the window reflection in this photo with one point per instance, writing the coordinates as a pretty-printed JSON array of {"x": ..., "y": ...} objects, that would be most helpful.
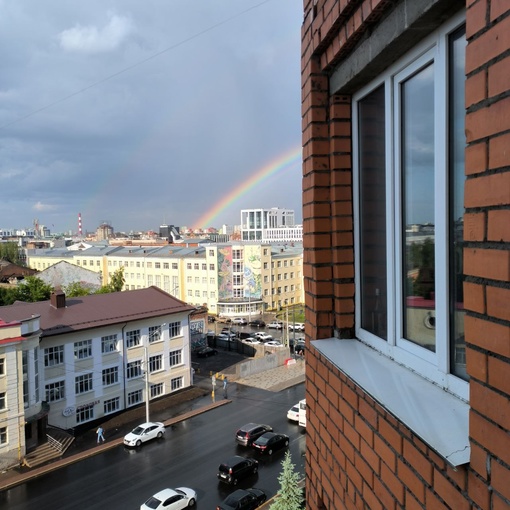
[{"x": 418, "y": 208}]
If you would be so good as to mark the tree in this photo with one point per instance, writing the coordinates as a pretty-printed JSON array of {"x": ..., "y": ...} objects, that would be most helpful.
[
  {"x": 76, "y": 289},
  {"x": 10, "y": 252},
  {"x": 116, "y": 283},
  {"x": 8, "y": 295},
  {"x": 290, "y": 494},
  {"x": 33, "y": 289}
]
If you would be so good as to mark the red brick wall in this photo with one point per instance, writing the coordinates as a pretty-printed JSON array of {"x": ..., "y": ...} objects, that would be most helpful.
[{"x": 359, "y": 456}]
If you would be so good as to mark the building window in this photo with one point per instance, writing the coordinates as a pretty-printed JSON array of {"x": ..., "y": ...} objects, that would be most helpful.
[
  {"x": 174, "y": 265},
  {"x": 108, "y": 344},
  {"x": 154, "y": 334},
  {"x": 149, "y": 265},
  {"x": 211, "y": 267},
  {"x": 190, "y": 293},
  {"x": 196, "y": 265},
  {"x": 133, "y": 338},
  {"x": 409, "y": 208},
  {"x": 204, "y": 267},
  {"x": 237, "y": 267},
  {"x": 213, "y": 294},
  {"x": 110, "y": 376},
  {"x": 2, "y": 366},
  {"x": 111, "y": 405},
  {"x": 174, "y": 329},
  {"x": 83, "y": 383},
  {"x": 135, "y": 397},
  {"x": 85, "y": 413},
  {"x": 2, "y": 401},
  {"x": 265, "y": 265},
  {"x": 204, "y": 294},
  {"x": 134, "y": 369},
  {"x": 212, "y": 281},
  {"x": 3, "y": 435},
  {"x": 55, "y": 391},
  {"x": 197, "y": 280},
  {"x": 157, "y": 265},
  {"x": 166, "y": 265},
  {"x": 155, "y": 363},
  {"x": 176, "y": 383},
  {"x": 197, "y": 293},
  {"x": 188, "y": 265},
  {"x": 149, "y": 280},
  {"x": 83, "y": 349},
  {"x": 175, "y": 358},
  {"x": 189, "y": 279},
  {"x": 156, "y": 390},
  {"x": 53, "y": 356}
]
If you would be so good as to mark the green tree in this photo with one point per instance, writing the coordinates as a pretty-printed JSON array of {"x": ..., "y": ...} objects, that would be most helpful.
[
  {"x": 75, "y": 289},
  {"x": 33, "y": 289},
  {"x": 116, "y": 283},
  {"x": 8, "y": 295},
  {"x": 10, "y": 252},
  {"x": 290, "y": 494}
]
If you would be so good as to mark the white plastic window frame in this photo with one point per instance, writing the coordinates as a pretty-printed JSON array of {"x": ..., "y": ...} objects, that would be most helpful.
[{"x": 434, "y": 366}]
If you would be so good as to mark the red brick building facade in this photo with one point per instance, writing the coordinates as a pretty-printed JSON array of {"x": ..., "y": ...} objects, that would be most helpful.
[{"x": 406, "y": 232}]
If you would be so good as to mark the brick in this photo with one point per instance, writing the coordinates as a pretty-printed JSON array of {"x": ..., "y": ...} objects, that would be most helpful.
[
  {"x": 499, "y": 150},
  {"x": 476, "y": 88},
  {"x": 476, "y": 158},
  {"x": 478, "y": 490},
  {"x": 476, "y": 363},
  {"x": 492, "y": 405},
  {"x": 498, "y": 78},
  {"x": 488, "y": 190},
  {"x": 395, "y": 486},
  {"x": 449, "y": 492},
  {"x": 418, "y": 461},
  {"x": 487, "y": 335},
  {"x": 491, "y": 437},
  {"x": 474, "y": 297},
  {"x": 411, "y": 481},
  {"x": 478, "y": 461},
  {"x": 498, "y": 225},
  {"x": 384, "y": 496},
  {"x": 498, "y": 370},
  {"x": 489, "y": 121},
  {"x": 498, "y": 8},
  {"x": 434, "y": 503},
  {"x": 476, "y": 17},
  {"x": 498, "y": 302},
  {"x": 488, "y": 46},
  {"x": 474, "y": 226},
  {"x": 484, "y": 263},
  {"x": 500, "y": 475}
]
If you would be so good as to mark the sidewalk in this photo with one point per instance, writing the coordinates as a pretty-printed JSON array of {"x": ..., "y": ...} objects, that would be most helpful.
[{"x": 173, "y": 409}]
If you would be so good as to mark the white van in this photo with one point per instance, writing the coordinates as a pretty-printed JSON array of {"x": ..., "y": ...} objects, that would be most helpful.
[{"x": 302, "y": 413}]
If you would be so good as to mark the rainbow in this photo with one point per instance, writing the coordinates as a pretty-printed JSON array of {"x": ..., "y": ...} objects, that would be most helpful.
[{"x": 282, "y": 162}]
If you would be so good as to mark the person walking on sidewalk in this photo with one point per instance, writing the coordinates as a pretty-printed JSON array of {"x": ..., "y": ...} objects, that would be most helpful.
[
  {"x": 100, "y": 434},
  {"x": 225, "y": 384}
]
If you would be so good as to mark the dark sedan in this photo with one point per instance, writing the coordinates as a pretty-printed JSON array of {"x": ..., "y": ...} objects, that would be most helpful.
[
  {"x": 243, "y": 499},
  {"x": 205, "y": 352},
  {"x": 258, "y": 323},
  {"x": 270, "y": 442}
]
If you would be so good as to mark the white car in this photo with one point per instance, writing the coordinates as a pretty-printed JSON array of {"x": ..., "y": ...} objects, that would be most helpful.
[
  {"x": 293, "y": 413},
  {"x": 252, "y": 341},
  {"x": 171, "y": 499},
  {"x": 228, "y": 337},
  {"x": 240, "y": 321},
  {"x": 275, "y": 325},
  {"x": 263, "y": 337},
  {"x": 144, "y": 432},
  {"x": 298, "y": 326},
  {"x": 274, "y": 343}
]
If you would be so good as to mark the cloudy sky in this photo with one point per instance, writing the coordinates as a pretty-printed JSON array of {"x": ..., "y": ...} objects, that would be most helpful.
[{"x": 146, "y": 113}]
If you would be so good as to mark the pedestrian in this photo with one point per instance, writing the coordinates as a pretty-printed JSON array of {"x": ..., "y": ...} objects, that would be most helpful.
[
  {"x": 225, "y": 384},
  {"x": 100, "y": 434}
]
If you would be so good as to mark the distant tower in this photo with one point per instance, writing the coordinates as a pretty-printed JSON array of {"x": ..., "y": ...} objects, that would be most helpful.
[{"x": 80, "y": 232}]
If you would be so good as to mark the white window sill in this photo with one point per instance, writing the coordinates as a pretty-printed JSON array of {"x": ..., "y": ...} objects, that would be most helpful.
[{"x": 439, "y": 418}]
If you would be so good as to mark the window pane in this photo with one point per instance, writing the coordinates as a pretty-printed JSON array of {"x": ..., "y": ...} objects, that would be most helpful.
[
  {"x": 373, "y": 213},
  {"x": 418, "y": 208},
  {"x": 457, "y": 177}
]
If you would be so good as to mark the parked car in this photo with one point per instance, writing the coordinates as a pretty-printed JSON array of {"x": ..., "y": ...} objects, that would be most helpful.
[
  {"x": 240, "y": 321},
  {"x": 243, "y": 499},
  {"x": 262, "y": 336},
  {"x": 293, "y": 413},
  {"x": 257, "y": 323},
  {"x": 270, "y": 442},
  {"x": 296, "y": 326},
  {"x": 252, "y": 341},
  {"x": 246, "y": 434},
  {"x": 236, "y": 468},
  {"x": 229, "y": 331},
  {"x": 223, "y": 319},
  {"x": 144, "y": 432},
  {"x": 275, "y": 325},
  {"x": 171, "y": 499},
  {"x": 274, "y": 343},
  {"x": 229, "y": 337},
  {"x": 210, "y": 318},
  {"x": 205, "y": 352}
]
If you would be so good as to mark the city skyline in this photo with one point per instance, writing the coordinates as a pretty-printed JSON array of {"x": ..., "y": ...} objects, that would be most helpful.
[{"x": 145, "y": 115}]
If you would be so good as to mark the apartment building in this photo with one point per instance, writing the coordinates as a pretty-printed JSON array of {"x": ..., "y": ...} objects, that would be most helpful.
[
  {"x": 406, "y": 108},
  {"x": 23, "y": 412},
  {"x": 273, "y": 225},
  {"x": 233, "y": 278},
  {"x": 97, "y": 355}
]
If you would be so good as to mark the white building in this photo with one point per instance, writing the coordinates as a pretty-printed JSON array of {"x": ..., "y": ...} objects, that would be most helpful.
[{"x": 270, "y": 226}]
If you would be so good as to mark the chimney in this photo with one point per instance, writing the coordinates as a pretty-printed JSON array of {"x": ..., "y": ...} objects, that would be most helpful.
[{"x": 58, "y": 299}]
